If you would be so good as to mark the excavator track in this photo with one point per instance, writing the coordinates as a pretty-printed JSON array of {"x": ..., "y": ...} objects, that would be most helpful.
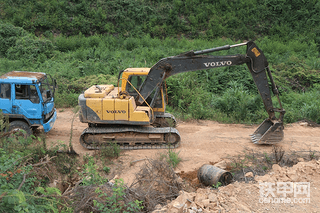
[{"x": 130, "y": 137}]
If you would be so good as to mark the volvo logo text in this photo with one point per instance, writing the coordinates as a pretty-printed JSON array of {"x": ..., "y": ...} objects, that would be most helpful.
[
  {"x": 218, "y": 63},
  {"x": 116, "y": 111}
]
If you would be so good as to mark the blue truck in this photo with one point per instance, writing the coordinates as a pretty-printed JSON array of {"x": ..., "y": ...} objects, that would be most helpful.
[{"x": 27, "y": 100}]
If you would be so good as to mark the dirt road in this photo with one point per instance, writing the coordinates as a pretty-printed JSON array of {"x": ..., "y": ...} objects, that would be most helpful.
[
  {"x": 205, "y": 142},
  {"x": 202, "y": 142}
]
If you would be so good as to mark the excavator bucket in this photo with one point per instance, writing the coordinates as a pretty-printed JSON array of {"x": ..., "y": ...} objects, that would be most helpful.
[{"x": 269, "y": 132}]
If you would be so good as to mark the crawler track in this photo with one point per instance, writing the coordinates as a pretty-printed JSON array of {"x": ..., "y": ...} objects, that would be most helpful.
[{"x": 130, "y": 137}]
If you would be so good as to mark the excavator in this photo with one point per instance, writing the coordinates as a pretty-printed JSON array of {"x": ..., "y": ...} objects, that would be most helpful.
[{"x": 133, "y": 115}]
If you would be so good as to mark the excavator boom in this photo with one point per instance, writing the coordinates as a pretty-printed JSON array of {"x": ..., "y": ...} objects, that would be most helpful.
[{"x": 271, "y": 130}]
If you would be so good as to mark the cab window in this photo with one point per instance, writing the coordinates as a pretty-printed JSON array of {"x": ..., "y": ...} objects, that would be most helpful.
[
  {"x": 27, "y": 92},
  {"x": 5, "y": 91},
  {"x": 136, "y": 81}
]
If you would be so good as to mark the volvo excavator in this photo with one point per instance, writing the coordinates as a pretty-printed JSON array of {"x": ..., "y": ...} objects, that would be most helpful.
[{"x": 133, "y": 114}]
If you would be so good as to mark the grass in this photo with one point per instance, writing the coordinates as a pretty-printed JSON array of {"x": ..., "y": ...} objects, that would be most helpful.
[
  {"x": 217, "y": 185},
  {"x": 112, "y": 150},
  {"x": 171, "y": 157}
]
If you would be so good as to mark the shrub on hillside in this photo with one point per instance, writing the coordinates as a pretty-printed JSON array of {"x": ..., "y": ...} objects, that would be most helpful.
[
  {"x": 30, "y": 48},
  {"x": 9, "y": 34}
]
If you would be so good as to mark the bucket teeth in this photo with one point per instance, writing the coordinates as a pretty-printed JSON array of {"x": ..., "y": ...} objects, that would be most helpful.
[
  {"x": 255, "y": 139},
  {"x": 269, "y": 132},
  {"x": 269, "y": 139}
]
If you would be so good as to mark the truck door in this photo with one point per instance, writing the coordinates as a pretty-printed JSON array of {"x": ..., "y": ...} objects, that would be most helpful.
[
  {"x": 5, "y": 98},
  {"x": 27, "y": 101}
]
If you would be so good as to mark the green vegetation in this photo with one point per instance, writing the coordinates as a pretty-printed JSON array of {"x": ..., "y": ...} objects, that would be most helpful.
[
  {"x": 112, "y": 150},
  {"x": 237, "y": 19},
  {"x": 114, "y": 203},
  {"x": 81, "y": 43},
  {"x": 24, "y": 184},
  {"x": 22, "y": 188},
  {"x": 171, "y": 157},
  {"x": 200, "y": 95},
  {"x": 27, "y": 168},
  {"x": 217, "y": 185}
]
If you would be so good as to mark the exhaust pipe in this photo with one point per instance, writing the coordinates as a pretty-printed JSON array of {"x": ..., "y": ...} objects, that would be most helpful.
[{"x": 269, "y": 132}]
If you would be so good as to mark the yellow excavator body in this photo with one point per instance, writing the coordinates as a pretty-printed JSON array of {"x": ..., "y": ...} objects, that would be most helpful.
[
  {"x": 114, "y": 117},
  {"x": 105, "y": 102}
]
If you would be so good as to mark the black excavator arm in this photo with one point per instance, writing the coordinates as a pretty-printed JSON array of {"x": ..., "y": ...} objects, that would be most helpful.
[{"x": 271, "y": 130}]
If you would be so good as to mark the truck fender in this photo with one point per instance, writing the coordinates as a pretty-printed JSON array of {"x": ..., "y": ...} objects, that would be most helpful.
[{"x": 13, "y": 117}]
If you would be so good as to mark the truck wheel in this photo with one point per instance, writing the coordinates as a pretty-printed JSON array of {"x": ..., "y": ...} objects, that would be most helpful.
[{"x": 17, "y": 125}]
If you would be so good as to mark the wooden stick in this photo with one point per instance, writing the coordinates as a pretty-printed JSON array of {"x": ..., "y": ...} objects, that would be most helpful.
[
  {"x": 132, "y": 162},
  {"x": 24, "y": 180}
]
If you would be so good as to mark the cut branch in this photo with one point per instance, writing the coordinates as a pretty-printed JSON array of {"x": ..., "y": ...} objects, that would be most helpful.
[{"x": 24, "y": 180}]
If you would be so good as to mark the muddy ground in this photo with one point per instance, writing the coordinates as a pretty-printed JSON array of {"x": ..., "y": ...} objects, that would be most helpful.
[{"x": 203, "y": 142}]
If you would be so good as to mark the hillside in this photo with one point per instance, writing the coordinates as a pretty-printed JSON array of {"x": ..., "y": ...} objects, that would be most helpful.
[
  {"x": 238, "y": 19},
  {"x": 77, "y": 62}
]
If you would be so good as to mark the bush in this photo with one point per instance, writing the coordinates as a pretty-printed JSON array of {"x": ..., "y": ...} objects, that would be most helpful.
[
  {"x": 171, "y": 157},
  {"x": 9, "y": 34},
  {"x": 115, "y": 203},
  {"x": 238, "y": 103},
  {"x": 112, "y": 150},
  {"x": 85, "y": 61},
  {"x": 65, "y": 44},
  {"x": 301, "y": 106},
  {"x": 18, "y": 192},
  {"x": 193, "y": 18},
  {"x": 30, "y": 48}
]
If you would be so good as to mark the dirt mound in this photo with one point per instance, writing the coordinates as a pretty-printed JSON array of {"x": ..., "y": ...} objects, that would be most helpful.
[
  {"x": 190, "y": 178},
  {"x": 304, "y": 179}
]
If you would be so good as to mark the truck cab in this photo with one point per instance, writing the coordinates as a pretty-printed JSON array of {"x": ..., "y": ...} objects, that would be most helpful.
[{"x": 27, "y": 99}]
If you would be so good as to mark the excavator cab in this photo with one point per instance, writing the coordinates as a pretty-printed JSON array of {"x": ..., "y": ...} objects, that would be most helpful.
[{"x": 131, "y": 80}]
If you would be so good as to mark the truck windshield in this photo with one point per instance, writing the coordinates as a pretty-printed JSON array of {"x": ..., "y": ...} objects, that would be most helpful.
[{"x": 47, "y": 88}]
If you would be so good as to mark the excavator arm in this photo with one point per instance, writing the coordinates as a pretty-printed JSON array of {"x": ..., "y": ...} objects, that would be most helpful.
[
  {"x": 271, "y": 130},
  {"x": 189, "y": 61}
]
